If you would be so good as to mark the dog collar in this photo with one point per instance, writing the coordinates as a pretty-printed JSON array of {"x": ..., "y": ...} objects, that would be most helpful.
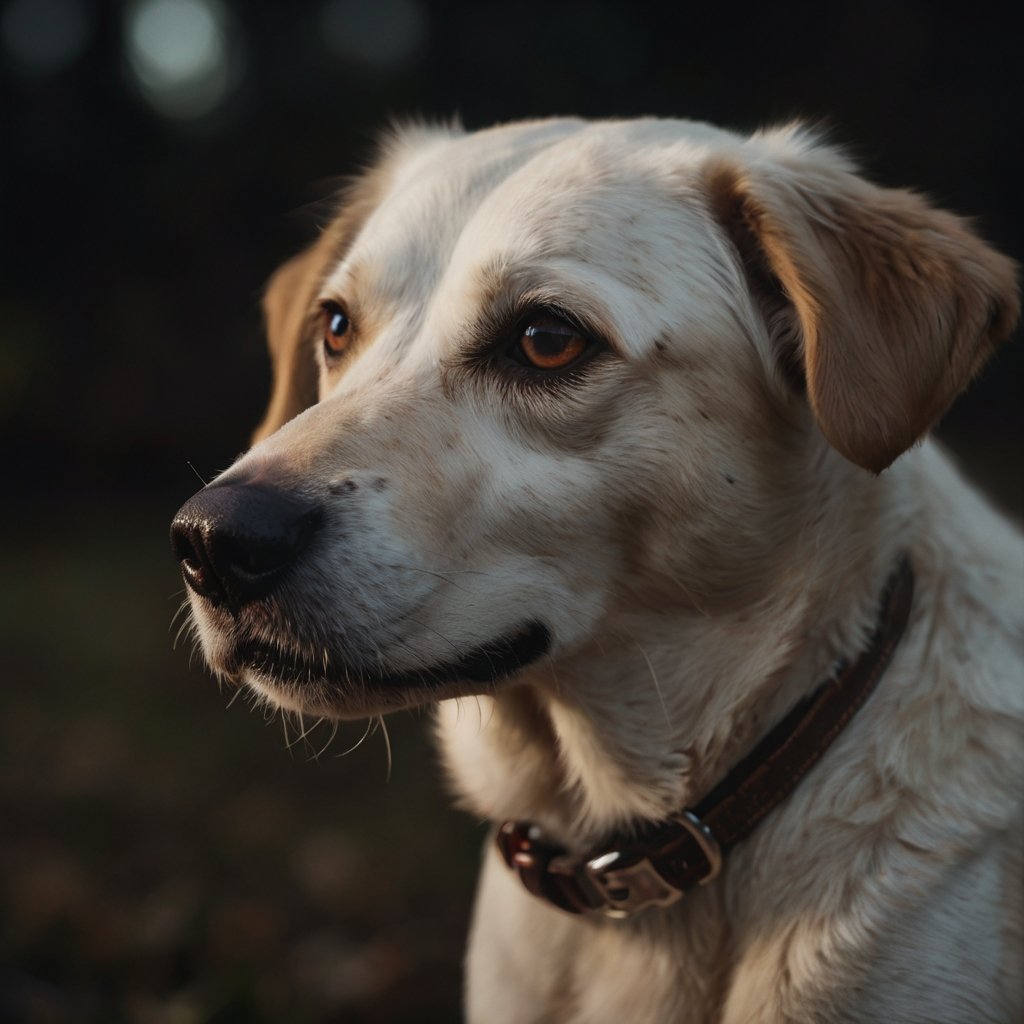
[{"x": 657, "y": 863}]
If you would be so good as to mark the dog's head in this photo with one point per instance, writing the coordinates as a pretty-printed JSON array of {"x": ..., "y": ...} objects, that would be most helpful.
[{"x": 534, "y": 377}]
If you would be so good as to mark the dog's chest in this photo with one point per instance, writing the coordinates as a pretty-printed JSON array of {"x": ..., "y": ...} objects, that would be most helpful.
[{"x": 530, "y": 962}]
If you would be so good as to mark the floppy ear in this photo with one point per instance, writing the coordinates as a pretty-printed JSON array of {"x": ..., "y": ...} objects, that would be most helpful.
[
  {"x": 888, "y": 306},
  {"x": 288, "y": 305}
]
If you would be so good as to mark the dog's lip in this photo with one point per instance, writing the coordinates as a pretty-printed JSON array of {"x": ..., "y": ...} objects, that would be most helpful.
[{"x": 487, "y": 663}]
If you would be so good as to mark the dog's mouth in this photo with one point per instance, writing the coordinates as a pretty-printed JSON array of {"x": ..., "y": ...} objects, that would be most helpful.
[{"x": 486, "y": 664}]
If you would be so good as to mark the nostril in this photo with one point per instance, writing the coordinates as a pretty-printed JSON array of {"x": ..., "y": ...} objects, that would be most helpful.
[
  {"x": 235, "y": 542},
  {"x": 181, "y": 545},
  {"x": 187, "y": 545},
  {"x": 254, "y": 556}
]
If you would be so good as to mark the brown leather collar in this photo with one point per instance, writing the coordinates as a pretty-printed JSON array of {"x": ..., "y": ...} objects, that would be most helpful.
[{"x": 656, "y": 864}]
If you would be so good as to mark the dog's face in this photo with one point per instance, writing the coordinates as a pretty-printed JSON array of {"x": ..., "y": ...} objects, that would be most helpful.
[{"x": 557, "y": 372}]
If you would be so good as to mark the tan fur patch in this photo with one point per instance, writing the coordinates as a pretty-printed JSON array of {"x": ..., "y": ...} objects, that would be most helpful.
[
  {"x": 288, "y": 299},
  {"x": 898, "y": 304}
]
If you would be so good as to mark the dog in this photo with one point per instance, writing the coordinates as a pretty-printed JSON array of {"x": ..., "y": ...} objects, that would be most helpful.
[{"x": 609, "y": 439}]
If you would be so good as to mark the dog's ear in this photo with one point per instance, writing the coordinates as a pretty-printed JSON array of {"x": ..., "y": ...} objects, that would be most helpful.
[
  {"x": 286, "y": 310},
  {"x": 290, "y": 297},
  {"x": 887, "y": 306}
]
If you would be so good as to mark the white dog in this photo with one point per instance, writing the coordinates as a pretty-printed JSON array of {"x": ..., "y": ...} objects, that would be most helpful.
[{"x": 590, "y": 424}]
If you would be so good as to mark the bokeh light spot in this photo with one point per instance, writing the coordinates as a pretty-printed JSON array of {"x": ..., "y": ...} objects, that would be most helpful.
[
  {"x": 45, "y": 36},
  {"x": 182, "y": 54}
]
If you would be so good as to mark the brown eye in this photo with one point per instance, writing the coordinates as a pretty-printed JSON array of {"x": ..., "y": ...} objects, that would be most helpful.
[
  {"x": 336, "y": 328},
  {"x": 548, "y": 343}
]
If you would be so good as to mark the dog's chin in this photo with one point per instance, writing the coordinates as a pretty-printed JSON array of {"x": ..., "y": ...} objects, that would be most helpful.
[{"x": 335, "y": 688}]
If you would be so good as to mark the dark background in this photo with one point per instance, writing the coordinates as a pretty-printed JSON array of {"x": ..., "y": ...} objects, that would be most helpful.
[{"x": 165, "y": 859}]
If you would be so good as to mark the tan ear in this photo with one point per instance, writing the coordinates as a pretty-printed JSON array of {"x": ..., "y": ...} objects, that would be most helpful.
[
  {"x": 893, "y": 305},
  {"x": 289, "y": 305},
  {"x": 286, "y": 308}
]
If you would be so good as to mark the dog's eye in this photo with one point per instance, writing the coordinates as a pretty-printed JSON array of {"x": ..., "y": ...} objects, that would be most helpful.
[
  {"x": 336, "y": 328},
  {"x": 548, "y": 343}
]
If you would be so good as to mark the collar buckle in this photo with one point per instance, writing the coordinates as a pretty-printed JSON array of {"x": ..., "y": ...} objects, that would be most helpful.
[
  {"x": 626, "y": 890},
  {"x": 655, "y": 864},
  {"x": 629, "y": 881}
]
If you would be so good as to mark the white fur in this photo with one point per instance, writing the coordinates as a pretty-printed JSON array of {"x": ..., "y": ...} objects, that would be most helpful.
[{"x": 701, "y": 556}]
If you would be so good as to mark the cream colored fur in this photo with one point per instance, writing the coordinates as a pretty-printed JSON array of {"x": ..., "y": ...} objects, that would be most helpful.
[{"x": 702, "y": 538}]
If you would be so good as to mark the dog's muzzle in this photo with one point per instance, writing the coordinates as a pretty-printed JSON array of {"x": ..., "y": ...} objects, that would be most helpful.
[
  {"x": 245, "y": 549},
  {"x": 236, "y": 542}
]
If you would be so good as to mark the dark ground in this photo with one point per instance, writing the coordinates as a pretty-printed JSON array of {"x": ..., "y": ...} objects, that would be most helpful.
[{"x": 164, "y": 860}]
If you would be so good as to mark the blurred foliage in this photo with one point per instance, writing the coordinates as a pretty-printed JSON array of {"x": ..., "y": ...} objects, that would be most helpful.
[{"x": 167, "y": 861}]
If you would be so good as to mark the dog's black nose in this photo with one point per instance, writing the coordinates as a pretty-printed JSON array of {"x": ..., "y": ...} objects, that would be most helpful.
[{"x": 236, "y": 542}]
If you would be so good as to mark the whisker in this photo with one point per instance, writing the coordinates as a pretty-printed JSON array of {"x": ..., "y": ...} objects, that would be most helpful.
[
  {"x": 299, "y": 720},
  {"x": 657, "y": 685},
  {"x": 304, "y": 735},
  {"x": 197, "y": 473},
  {"x": 174, "y": 618},
  {"x": 387, "y": 744},
  {"x": 359, "y": 742},
  {"x": 330, "y": 740},
  {"x": 287, "y": 734},
  {"x": 186, "y": 625}
]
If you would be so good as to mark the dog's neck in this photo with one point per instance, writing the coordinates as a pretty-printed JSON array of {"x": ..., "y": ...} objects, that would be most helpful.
[
  {"x": 656, "y": 865},
  {"x": 647, "y": 721}
]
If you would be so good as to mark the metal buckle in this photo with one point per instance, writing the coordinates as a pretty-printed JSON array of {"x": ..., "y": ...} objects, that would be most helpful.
[
  {"x": 636, "y": 885},
  {"x": 628, "y": 890}
]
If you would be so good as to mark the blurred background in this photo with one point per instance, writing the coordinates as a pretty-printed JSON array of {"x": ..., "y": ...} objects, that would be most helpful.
[{"x": 167, "y": 859}]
